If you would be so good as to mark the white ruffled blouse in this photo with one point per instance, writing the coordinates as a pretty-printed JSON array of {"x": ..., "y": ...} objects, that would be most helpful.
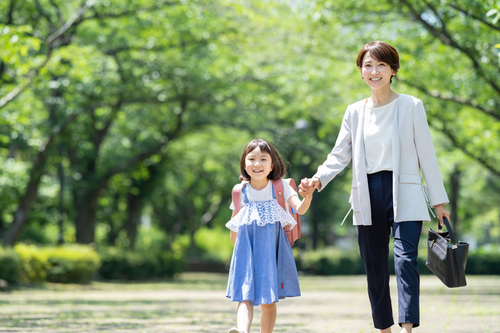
[{"x": 261, "y": 207}]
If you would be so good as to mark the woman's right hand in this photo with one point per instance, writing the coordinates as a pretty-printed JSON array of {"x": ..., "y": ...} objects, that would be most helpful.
[{"x": 308, "y": 185}]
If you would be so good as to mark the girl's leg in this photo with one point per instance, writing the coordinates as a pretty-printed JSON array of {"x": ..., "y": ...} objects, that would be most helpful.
[
  {"x": 406, "y": 328},
  {"x": 268, "y": 318},
  {"x": 387, "y": 330},
  {"x": 244, "y": 316}
]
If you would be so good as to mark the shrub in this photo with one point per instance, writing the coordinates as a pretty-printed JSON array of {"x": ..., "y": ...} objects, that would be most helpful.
[
  {"x": 483, "y": 263},
  {"x": 10, "y": 264},
  {"x": 66, "y": 264},
  {"x": 332, "y": 261},
  {"x": 138, "y": 265},
  {"x": 34, "y": 264},
  {"x": 71, "y": 263}
]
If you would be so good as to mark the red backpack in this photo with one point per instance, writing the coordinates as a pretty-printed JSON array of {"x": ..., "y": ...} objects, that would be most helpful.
[{"x": 292, "y": 234}]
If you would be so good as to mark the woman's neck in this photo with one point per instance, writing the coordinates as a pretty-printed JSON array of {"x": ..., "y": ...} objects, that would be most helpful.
[
  {"x": 381, "y": 97},
  {"x": 258, "y": 184}
]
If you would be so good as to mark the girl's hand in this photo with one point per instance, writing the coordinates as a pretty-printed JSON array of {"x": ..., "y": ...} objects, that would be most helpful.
[
  {"x": 308, "y": 185},
  {"x": 441, "y": 211}
]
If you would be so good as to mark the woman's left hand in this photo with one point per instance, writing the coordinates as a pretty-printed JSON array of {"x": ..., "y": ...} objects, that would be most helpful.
[{"x": 441, "y": 212}]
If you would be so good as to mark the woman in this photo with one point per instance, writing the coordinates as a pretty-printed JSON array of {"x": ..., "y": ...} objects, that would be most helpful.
[{"x": 388, "y": 139}]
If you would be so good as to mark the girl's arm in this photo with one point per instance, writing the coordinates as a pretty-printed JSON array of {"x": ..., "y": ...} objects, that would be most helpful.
[
  {"x": 301, "y": 206},
  {"x": 233, "y": 234}
]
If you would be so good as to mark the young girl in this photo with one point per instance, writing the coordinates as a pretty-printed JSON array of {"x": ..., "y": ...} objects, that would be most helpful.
[{"x": 262, "y": 267}]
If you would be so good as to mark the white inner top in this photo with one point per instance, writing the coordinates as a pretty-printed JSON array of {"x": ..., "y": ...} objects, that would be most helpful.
[
  {"x": 378, "y": 137},
  {"x": 265, "y": 194}
]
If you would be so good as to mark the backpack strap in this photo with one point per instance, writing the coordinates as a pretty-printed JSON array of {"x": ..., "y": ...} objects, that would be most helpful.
[
  {"x": 236, "y": 202},
  {"x": 292, "y": 234},
  {"x": 278, "y": 190},
  {"x": 236, "y": 196}
]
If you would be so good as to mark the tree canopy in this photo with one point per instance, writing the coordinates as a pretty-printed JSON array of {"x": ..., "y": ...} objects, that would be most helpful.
[{"x": 117, "y": 114}]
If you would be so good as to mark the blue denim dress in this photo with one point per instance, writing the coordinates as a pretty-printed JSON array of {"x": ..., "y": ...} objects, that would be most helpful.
[{"x": 262, "y": 267}]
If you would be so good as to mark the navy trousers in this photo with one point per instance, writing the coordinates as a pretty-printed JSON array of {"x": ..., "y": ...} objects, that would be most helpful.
[{"x": 374, "y": 249}]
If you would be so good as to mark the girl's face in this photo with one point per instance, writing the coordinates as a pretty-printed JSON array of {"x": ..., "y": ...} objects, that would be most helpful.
[
  {"x": 376, "y": 73},
  {"x": 258, "y": 165}
]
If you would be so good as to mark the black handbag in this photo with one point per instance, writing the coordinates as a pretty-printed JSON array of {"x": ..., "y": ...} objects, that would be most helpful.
[{"x": 446, "y": 257}]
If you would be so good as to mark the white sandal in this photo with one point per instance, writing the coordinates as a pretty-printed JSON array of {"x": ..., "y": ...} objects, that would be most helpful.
[{"x": 235, "y": 330}]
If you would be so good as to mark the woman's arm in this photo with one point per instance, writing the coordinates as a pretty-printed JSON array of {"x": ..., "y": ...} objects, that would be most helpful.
[
  {"x": 340, "y": 156},
  {"x": 428, "y": 163}
]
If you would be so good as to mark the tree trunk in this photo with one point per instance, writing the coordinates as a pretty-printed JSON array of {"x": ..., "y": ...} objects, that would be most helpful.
[
  {"x": 454, "y": 196},
  {"x": 27, "y": 201},
  {"x": 85, "y": 219},
  {"x": 314, "y": 225},
  {"x": 134, "y": 209},
  {"x": 60, "y": 173}
]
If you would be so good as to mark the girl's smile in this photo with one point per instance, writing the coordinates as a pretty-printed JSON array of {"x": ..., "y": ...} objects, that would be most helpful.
[{"x": 258, "y": 165}]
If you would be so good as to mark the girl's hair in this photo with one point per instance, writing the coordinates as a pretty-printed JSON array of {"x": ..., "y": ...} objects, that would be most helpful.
[
  {"x": 279, "y": 169},
  {"x": 382, "y": 52}
]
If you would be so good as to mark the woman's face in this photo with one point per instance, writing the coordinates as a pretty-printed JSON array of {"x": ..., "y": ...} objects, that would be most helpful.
[{"x": 376, "y": 73}]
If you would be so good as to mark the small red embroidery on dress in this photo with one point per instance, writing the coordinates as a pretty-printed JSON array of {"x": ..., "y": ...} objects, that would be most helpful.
[{"x": 282, "y": 286}]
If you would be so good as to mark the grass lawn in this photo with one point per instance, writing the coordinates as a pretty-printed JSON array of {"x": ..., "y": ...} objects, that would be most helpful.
[{"x": 195, "y": 302}]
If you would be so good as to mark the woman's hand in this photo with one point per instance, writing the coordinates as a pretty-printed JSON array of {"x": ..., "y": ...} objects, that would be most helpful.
[
  {"x": 308, "y": 185},
  {"x": 441, "y": 212}
]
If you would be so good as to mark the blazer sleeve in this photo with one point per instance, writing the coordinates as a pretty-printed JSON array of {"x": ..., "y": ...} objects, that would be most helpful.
[
  {"x": 427, "y": 157},
  {"x": 341, "y": 154}
]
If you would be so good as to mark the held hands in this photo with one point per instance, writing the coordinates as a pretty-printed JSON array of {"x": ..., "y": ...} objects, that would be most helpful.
[{"x": 308, "y": 185}]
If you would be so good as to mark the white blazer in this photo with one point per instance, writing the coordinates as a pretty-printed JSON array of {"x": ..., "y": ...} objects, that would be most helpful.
[{"x": 412, "y": 152}]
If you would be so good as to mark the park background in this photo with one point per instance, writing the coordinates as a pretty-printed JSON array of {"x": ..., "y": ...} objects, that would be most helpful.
[{"x": 123, "y": 122}]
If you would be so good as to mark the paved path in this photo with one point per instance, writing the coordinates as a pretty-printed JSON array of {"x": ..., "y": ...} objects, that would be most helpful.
[{"x": 196, "y": 303}]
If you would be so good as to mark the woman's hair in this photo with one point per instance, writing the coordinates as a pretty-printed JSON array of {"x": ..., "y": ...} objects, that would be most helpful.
[
  {"x": 382, "y": 52},
  {"x": 279, "y": 169}
]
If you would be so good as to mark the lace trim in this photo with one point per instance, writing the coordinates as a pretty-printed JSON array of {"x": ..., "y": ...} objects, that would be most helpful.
[{"x": 262, "y": 212}]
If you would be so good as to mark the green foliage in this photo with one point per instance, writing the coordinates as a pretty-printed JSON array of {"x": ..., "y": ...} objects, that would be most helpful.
[
  {"x": 331, "y": 261},
  {"x": 214, "y": 244},
  {"x": 129, "y": 265},
  {"x": 72, "y": 264},
  {"x": 142, "y": 110},
  {"x": 34, "y": 263},
  {"x": 10, "y": 264},
  {"x": 66, "y": 264},
  {"x": 483, "y": 263}
]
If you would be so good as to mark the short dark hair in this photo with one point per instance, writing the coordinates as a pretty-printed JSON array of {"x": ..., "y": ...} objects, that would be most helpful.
[
  {"x": 279, "y": 169},
  {"x": 382, "y": 52}
]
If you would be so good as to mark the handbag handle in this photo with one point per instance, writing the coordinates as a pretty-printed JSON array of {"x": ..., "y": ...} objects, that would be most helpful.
[{"x": 450, "y": 230}]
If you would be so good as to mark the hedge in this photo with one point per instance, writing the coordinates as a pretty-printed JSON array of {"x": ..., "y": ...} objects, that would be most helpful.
[
  {"x": 67, "y": 264},
  {"x": 71, "y": 264},
  {"x": 333, "y": 261},
  {"x": 118, "y": 264},
  {"x": 10, "y": 264}
]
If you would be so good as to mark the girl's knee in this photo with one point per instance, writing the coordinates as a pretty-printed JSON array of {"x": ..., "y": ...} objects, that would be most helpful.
[{"x": 268, "y": 307}]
